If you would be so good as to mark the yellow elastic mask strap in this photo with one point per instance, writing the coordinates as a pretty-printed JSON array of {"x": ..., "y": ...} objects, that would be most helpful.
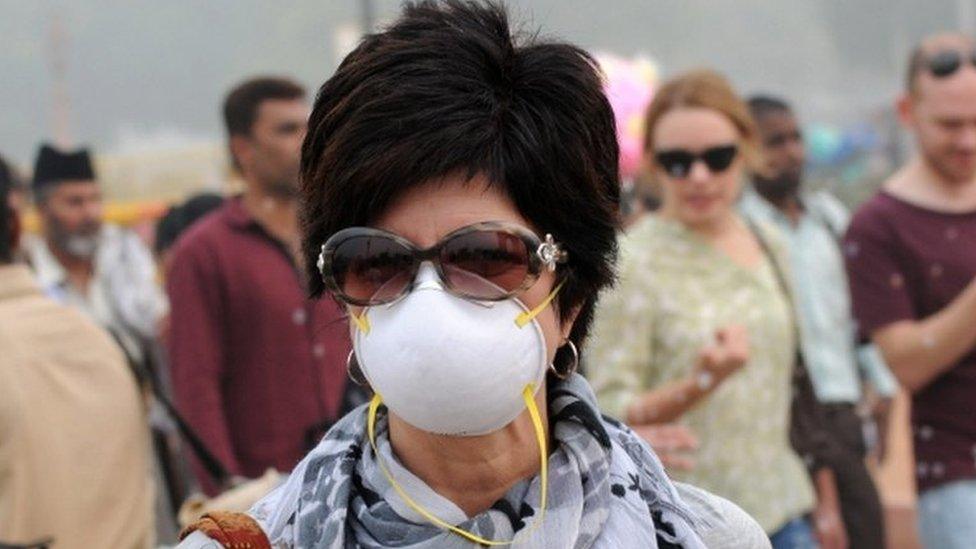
[
  {"x": 529, "y": 395},
  {"x": 361, "y": 321},
  {"x": 526, "y": 317}
]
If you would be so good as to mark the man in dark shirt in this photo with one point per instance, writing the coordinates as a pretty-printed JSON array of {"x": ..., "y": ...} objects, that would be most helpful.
[
  {"x": 911, "y": 257},
  {"x": 257, "y": 368}
]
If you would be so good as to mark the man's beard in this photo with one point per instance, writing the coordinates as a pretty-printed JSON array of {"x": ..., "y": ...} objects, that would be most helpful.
[
  {"x": 284, "y": 188},
  {"x": 778, "y": 189},
  {"x": 80, "y": 244},
  {"x": 81, "y": 247}
]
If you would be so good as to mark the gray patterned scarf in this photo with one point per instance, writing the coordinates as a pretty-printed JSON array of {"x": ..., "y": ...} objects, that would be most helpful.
[{"x": 606, "y": 489}]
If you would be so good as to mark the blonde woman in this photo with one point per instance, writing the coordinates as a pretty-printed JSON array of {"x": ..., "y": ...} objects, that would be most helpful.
[{"x": 699, "y": 329}]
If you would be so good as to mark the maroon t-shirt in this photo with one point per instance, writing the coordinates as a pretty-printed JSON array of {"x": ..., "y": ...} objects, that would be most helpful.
[
  {"x": 256, "y": 365},
  {"x": 908, "y": 262}
]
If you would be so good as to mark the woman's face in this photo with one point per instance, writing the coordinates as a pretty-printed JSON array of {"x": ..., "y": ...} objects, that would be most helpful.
[
  {"x": 427, "y": 213},
  {"x": 701, "y": 197}
]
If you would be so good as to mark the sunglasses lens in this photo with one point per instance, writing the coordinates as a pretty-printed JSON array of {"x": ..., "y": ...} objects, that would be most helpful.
[
  {"x": 944, "y": 63},
  {"x": 676, "y": 164},
  {"x": 718, "y": 159},
  {"x": 372, "y": 269},
  {"x": 487, "y": 265}
]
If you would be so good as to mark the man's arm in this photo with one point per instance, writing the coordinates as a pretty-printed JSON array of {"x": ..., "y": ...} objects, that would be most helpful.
[
  {"x": 814, "y": 441},
  {"x": 876, "y": 371},
  {"x": 919, "y": 351},
  {"x": 828, "y": 523},
  {"x": 197, "y": 354}
]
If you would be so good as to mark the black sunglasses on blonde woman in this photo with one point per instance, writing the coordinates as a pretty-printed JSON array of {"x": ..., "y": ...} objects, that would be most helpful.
[{"x": 677, "y": 163}]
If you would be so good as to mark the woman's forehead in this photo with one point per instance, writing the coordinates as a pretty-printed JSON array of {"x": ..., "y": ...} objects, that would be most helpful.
[
  {"x": 693, "y": 128},
  {"x": 426, "y": 213}
]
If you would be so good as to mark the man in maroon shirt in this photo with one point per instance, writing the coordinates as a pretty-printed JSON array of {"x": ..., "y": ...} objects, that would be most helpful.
[
  {"x": 911, "y": 257},
  {"x": 258, "y": 369}
]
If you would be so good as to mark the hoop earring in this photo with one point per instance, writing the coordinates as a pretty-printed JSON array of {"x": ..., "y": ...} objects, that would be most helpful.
[
  {"x": 352, "y": 362},
  {"x": 572, "y": 369}
]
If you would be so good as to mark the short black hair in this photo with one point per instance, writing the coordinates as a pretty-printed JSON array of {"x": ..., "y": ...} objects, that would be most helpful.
[
  {"x": 7, "y": 181},
  {"x": 448, "y": 89},
  {"x": 242, "y": 102},
  {"x": 181, "y": 217},
  {"x": 761, "y": 105}
]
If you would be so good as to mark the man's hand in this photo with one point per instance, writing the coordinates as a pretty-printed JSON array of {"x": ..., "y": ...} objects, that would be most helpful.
[
  {"x": 828, "y": 525},
  {"x": 672, "y": 443}
]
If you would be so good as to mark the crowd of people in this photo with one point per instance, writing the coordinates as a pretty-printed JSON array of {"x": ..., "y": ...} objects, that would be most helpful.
[{"x": 424, "y": 323}]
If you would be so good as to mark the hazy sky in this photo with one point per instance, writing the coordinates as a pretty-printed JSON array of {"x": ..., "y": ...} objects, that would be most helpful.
[{"x": 139, "y": 70}]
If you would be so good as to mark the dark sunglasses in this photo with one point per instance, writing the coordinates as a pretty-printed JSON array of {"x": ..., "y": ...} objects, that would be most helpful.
[
  {"x": 677, "y": 163},
  {"x": 946, "y": 63},
  {"x": 489, "y": 261}
]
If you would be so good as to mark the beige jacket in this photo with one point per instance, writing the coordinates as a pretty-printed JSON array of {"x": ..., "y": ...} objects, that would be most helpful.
[{"x": 74, "y": 447}]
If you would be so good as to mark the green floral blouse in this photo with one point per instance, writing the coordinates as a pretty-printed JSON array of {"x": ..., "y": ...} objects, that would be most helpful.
[{"x": 675, "y": 291}]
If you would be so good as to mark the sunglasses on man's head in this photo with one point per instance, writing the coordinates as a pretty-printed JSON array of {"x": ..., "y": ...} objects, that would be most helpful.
[
  {"x": 677, "y": 163},
  {"x": 945, "y": 63},
  {"x": 489, "y": 261}
]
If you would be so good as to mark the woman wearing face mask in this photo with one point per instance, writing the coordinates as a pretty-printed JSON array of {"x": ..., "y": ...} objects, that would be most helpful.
[
  {"x": 699, "y": 328},
  {"x": 459, "y": 197}
]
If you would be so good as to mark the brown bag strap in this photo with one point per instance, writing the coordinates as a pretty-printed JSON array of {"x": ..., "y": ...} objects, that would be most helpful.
[
  {"x": 232, "y": 530},
  {"x": 810, "y": 435}
]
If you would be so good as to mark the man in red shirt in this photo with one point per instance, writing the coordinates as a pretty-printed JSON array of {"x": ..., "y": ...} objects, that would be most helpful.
[
  {"x": 257, "y": 367},
  {"x": 911, "y": 257}
]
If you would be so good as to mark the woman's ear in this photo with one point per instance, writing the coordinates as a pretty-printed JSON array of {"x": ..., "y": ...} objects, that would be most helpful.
[{"x": 567, "y": 325}]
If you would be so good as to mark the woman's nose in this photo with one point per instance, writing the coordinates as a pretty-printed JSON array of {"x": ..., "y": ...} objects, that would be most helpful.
[{"x": 699, "y": 172}]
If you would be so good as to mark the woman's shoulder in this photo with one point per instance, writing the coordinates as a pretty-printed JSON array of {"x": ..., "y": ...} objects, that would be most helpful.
[
  {"x": 723, "y": 524},
  {"x": 651, "y": 229},
  {"x": 651, "y": 244},
  {"x": 771, "y": 237},
  {"x": 768, "y": 232}
]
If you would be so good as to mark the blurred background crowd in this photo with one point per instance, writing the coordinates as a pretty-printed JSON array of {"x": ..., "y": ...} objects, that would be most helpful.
[{"x": 151, "y": 155}]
